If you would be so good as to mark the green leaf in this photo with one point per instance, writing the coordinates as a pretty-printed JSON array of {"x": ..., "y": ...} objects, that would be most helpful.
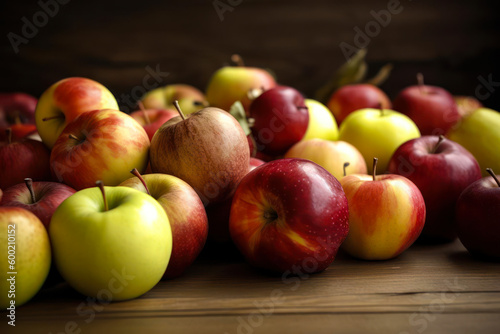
[{"x": 238, "y": 112}]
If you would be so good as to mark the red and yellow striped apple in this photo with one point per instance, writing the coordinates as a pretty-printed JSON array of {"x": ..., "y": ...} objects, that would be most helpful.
[{"x": 152, "y": 119}]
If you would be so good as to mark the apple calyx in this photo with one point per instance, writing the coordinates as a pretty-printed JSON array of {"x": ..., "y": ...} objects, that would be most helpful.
[
  {"x": 440, "y": 140},
  {"x": 103, "y": 192},
  {"x": 302, "y": 107},
  {"x": 346, "y": 164},
  {"x": 52, "y": 117},
  {"x": 270, "y": 216},
  {"x": 8, "y": 131},
  {"x": 144, "y": 113},
  {"x": 236, "y": 58},
  {"x": 29, "y": 185},
  {"x": 199, "y": 103},
  {"x": 490, "y": 171},
  {"x": 136, "y": 173},
  {"x": 178, "y": 107},
  {"x": 375, "y": 160}
]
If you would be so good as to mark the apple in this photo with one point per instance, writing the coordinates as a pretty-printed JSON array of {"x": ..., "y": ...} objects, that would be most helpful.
[
  {"x": 26, "y": 260},
  {"x": 477, "y": 212},
  {"x": 386, "y": 215},
  {"x": 190, "y": 99},
  {"x": 330, "y": 155},
  {"x": 432, "y": 108},
  {"x": 65, "y": 100},
  {"x": 19, "y": 131},
  {"x": 186, "y": 214},
  {"x": 377, "y": 133},
  {"x": 441, "y": 169},
  {"x": 466, "y": 105},
  {"x": 16, "y": 108},
  {"x": 41, "y": 198},
  {"x": 321, "y": 124},
  {"x": 280, "y": 118},
  {"x": 208, "y": 149},
  {"x": 350, "y": 98},
  {"x": 479, "y": 134},
  {"x": 233, "y": 83},
  {"x": 111, "y": 243},
  {"x": 254, "y": 162},
  {"x": 99, "y": 145},
  {"x": 21, "y": 159},
  {"x": 152, "y": 119},
  {"x": 1, "y": 194},
  {"x": 289, "y": 216}
]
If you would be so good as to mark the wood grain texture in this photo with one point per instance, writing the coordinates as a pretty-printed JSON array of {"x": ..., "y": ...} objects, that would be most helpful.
[{"x": 431, "y": 289}]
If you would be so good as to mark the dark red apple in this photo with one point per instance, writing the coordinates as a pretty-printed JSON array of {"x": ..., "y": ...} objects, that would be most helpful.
[
  {"x": 17, "y": 108},
  {"x": 41, "y": 198},
  {"x": 441, "y": 169},
  {"x": 152, "y": 119},
  {"x": 478, "y": 209},
  {"x": 21, "y": 159},
  {"x": 432, "y": 108},
  {"x": 289, "y": 216},
  {"x": 350, "y": 98},
  {"x": 280, "y": 120}
]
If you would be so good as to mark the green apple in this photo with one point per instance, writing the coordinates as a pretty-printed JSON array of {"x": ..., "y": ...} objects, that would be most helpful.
[
  {"x": 479, "y": 133},
  {"x": 111, "y": 243},
  {"x": 322, "y": 124},
  {"x": 25, "y": 254},
  {"x": 377, "y": 133}
]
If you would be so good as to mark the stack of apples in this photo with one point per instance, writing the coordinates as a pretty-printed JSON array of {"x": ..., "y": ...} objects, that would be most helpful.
[{"x": 117, "y": 202}]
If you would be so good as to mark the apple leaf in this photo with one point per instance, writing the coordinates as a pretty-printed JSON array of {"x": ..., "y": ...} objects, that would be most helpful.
[
  {"x": 381, "y": 76},
  {"x": 238, "y": 112}
]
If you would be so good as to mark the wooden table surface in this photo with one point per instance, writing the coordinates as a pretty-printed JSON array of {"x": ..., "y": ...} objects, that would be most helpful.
[{"x": 428, "y": 289}]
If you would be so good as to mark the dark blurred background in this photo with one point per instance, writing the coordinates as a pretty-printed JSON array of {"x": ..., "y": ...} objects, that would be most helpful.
[{"x": 453, "y": 43}]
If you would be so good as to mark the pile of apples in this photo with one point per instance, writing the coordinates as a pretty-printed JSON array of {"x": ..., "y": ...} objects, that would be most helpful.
[{"x": 115, "y": 202}]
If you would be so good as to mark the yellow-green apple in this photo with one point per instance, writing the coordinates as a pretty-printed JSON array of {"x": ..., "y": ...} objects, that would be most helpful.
[
  {"x": 186, "y": 214},
  {"x": 111, "y": 243},
  {"x": 280, "y": 119},
  {"x": 26, "y": 260},
  {"x": 99, "y": 145},
  {"x": 466, "y": 105},
  {"x": 208, "y": 149},
  {"x": 233, "y": 83},
  {"x": 331, "y": 155},
  {"x": 65, "y": 100},
  {"x": 479, "y": 134},
  {"x": 152, "y": 119},
  {"x": 190, "y": 98},
  {"x": 21, "y": 159},
  {"x": 16, "y": 108},
  {"x": 289, "y": 216},
  {"x": 350, "y": 98},
  {"x": 386, "y": 215},
  {"x": 432, "y": 108},
  {"x": 321, "y": 124},
  {"x": 478, "y": 209},
  {"x": 41, "y": 198},
  {"x": 441, "y": 169},
  {"x": 377, "y": 133}
]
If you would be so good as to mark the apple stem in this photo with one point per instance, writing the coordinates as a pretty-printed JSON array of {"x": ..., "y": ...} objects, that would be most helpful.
[
  {"x": 17, "y": 120},
  {"x": 346, "y": 164},
  {"x": 375, "y": 160},
  {"x": 489, "y": 170},
  {"x": 101, "y": 187},
  {"x": 72, "y": 136},
  {"x": 8, "y": 131},
  {"x": 52, "y": 117},
  {"x": 178, "y": 107},
  {"x": 144, "y": 113},
  {"x": 136, "y": 173},
  {"x": 420, "y": 81},
  {"x": 29, "y": 185},
  {"x": 236, "y": 58},
  {"x": 381, "y": 109},
  {"x": 440, "y": 140}
]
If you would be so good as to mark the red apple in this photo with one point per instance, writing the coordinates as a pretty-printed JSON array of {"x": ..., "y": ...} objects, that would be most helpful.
[
  {"x": 289, "y": 216},
  {"x": 22, "y": 159},
  {"x": 386, "y": 215},
  {"x": 19, "y": 131},
  {"x": 208, "y": 149},
  {"x": 478, "y": 209},
  {"x": 17, "y": 108},
  {"x": 185, "y": 212},
  {"x": 433, "y": 109},
  {"x": 99, "y": 145},
  {"x": 350, "y": 98},
  {"x": 254, "y": 162},
  {"x": 441, "y": 169},
  {"x": 41, "y": 198},
  {"x": 152, "y": 119},
  {"x": 280, "y": 120}
]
